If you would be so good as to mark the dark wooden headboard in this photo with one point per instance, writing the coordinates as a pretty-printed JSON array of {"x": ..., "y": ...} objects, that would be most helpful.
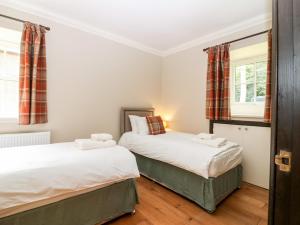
[{"x": 125, "y": 125}]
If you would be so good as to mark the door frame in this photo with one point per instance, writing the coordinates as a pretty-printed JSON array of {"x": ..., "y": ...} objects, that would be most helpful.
[
  {"x": 284, "y": 194},
  {"x": 274, "y": 112}
]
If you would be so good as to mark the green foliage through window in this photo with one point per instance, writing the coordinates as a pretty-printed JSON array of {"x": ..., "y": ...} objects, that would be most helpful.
[{"x": 250, "y": 82}]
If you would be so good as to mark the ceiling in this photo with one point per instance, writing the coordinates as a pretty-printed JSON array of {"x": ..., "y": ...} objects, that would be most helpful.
[{"x": 158, "y": 25}]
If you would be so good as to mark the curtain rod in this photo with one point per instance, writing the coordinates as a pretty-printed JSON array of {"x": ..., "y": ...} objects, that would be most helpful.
[
  {"x": 19, "y": 20},
  {"x": 246, "y": 37}
]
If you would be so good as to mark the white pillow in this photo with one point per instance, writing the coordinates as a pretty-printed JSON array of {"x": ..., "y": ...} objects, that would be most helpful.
[
  {"x": 133, "y": 123},
  {"x": 142, "y": 125},
  {"x": 139, "y": 124}
]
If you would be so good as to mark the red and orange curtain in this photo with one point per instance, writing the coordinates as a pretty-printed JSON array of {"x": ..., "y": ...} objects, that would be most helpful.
[
  {"x": 33, "y": 80},
  {"x": 217, "y": 87},
  {"x": 268, "y": 102}
]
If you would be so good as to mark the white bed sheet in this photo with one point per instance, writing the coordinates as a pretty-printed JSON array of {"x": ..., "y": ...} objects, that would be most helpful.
[
  {"x": 35, "y": 173},
  {"x": 179, "y": 149}
]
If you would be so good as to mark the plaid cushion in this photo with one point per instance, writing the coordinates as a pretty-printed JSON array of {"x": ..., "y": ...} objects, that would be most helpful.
[{"x": 156, "y": 125}]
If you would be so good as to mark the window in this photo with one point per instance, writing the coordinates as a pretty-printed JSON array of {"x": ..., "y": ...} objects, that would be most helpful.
[
  {"x": 9, "y": 74},
  {"x": 248, "y": 81}
]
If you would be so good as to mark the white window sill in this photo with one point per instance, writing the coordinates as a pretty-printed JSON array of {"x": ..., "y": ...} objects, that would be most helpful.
[
  {"x": 248, "y": 103},
  {"x": 9, "y": 120},
  {"x": 247, "y": 117}
]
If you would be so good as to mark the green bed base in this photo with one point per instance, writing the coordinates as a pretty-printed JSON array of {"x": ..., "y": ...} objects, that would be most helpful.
[
  {"x": 207, "y": 193},
  {"x": 91, "y": 208}
]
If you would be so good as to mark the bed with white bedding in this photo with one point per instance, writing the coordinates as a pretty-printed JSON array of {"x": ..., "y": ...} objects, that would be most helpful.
[
  {"x": 201, "y": 173},
  {"x": 180, "y": 149},
  {"x": 65, "y": 185}
]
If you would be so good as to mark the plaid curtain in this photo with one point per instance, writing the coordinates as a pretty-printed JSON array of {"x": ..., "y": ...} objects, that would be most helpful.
[
  {"x": 33, "y": 83},
  {"x": 267, "y": 115},
  {"x": 217, "y": 88}
]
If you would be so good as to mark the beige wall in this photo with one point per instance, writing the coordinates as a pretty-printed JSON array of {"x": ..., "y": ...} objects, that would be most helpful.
[
  {"x": 184, "y": 83},
  {"x": 89, "y": 79}
]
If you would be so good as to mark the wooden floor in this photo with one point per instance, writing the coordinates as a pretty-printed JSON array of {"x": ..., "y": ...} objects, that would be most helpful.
[{"x": 160, "y": 206}]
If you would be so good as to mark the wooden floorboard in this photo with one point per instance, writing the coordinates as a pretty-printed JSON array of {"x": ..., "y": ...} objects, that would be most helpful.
[{"x": 160, "y": 206}]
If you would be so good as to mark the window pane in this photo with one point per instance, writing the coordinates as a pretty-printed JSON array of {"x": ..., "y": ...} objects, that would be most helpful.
[
  {"x": 244, "y": 83},
  {"x": 250, "y": 73},
  {"x": 1, "y": 62},
  {"x": 237, "y": 93},
  {"x": 261, "y": 76},
  {"x": 11, "y": 65},
  {"x": 237, "y": 82},
  {"x": 8, "y": 99},
  {"x": 238, "y": 76},
  {"x": 261, "y": 65},
  {"x": 9, "y": 73},
  {"x": 250, "y": 78},
  {"x": 250, "y": 93}
]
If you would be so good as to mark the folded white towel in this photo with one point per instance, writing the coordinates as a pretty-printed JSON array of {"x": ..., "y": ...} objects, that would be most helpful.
[
  {"x": 101, "y": 137},
  {"x": 206, "y": 136},
  {"x": 229, "y": 145},
  {"x": 86, "y": 144},
  {"x": 107, "y": 144},
  {"x": 217, "y": 142}
]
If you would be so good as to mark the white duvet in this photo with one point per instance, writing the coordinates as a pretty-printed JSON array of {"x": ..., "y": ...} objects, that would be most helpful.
[
  {"x": 180, "y": 149},
  {"x": 31, "y": 174}
]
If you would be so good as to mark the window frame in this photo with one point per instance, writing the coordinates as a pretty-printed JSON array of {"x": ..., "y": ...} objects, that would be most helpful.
[
  {"x": 253, "y": 105},
  {"x": 11, "y": 47}
]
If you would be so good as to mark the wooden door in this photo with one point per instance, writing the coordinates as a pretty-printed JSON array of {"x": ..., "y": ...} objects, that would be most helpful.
[{"x": 285, "y": 186}]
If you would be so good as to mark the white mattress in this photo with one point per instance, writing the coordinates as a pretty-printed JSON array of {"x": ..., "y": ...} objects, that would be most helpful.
[
  {"x": 179, "y": 149},
  {"x": 46, "y": 173}
]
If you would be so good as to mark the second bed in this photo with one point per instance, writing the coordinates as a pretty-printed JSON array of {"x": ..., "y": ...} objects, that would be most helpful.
[{"x": 203, "y": 174}]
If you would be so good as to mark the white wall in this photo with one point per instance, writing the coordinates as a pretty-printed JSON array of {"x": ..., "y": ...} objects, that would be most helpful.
[{"x": 89, "y": 80}]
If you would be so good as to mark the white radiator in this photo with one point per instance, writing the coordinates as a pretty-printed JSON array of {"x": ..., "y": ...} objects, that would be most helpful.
[{"x": 23, "y": 139}]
